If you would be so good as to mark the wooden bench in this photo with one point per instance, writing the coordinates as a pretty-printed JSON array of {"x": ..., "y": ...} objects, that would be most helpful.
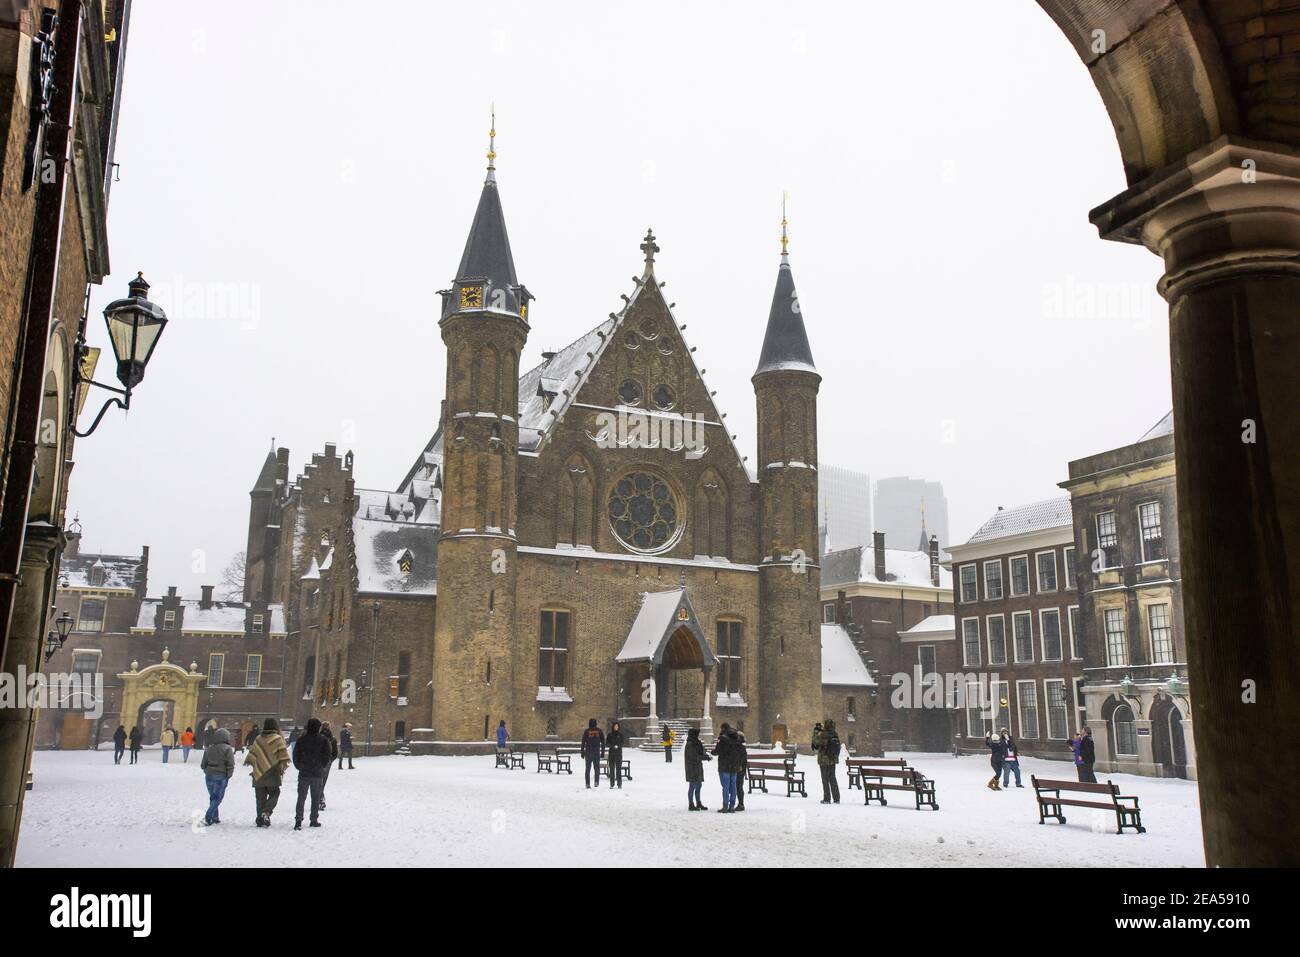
[
  {"x": 503, "y": 758},
  {"x": 555, "y": 760},
  {"x": 603, "y": 768},
  {"x": 1050, "y": 801},
  {"x": 778, "y": 766},
  {"x": 876, "y": 776},
  {"x": 855, "y": 766}
]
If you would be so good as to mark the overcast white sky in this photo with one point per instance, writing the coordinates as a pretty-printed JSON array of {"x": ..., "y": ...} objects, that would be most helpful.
[{"x": 322, "y": 160}]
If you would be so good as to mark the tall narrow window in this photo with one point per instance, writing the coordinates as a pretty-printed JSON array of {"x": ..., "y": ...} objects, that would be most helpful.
[
  {"x": 1058, "y": 710},
  {"x": 1050, "y": 628},
  {"x": 1162, "y": 635},
  {"x": 1027, "y": 701},
  {"x": 216, "y": 666},
  {"x": 403, "y": 673},
  {"x": 1125, "y": 730},
  {"x": 970, "y": 642},
  {"x": 926, "y": 657},
  {"x": 259, "y": 624},
  {"x": 253, "y": 673},
  {"x": 729, "y": 657},
  {"x": 969, "y": 584},
  {"x": 1046, "y": 571},
  {"x": 1108, "y": 540},
  {"x": 1019, "y": 575},
  {"x": 997, "y": 628},
  {"x": 1071, "y": 573},
  {"x": 993, "y": 580},
  {"x": 1076, "y": 636},
  {"x": 1116, "y": 647},
  {"x": 1022, "y": 624},
  {"x": 828, "y": 614},
  {"x": 169, "y": 620},
  {"x": 553, "y": 655},
  {"x": 1153, "y": 539},
  {"x": 974, "y": 710},
  {"x": 1001, "y": 705},
  {"x": 91, "y": 616}
]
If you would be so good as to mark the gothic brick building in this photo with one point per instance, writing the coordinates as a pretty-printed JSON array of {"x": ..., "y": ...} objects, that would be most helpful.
[{"x": 591, "y": 539}]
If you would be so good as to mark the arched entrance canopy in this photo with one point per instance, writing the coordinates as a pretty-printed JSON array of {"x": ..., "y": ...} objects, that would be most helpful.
[
  {"x": 162, "y": 682},
  {"x": 666, "y": 632}
]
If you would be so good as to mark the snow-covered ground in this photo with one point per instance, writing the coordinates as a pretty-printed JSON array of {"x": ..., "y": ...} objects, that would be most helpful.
[{"x": 428, "y": 811}]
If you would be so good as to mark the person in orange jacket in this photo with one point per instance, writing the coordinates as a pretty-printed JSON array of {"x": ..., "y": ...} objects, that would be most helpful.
[{"x": 187, "y": 743}]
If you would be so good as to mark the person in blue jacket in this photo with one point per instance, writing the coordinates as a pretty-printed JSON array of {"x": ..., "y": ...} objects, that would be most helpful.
[
  {"x": 997, "y": 758},
  {"x": 502, "y": 735}
]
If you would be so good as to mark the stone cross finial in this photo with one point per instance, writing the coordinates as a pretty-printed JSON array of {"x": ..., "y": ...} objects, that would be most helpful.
[{"x": 649, "y": 248}]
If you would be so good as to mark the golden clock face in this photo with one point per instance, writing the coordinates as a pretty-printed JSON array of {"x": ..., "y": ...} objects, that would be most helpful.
[
  {"x": 523, "y": 311},
  {"x": 471, "y": 297}
]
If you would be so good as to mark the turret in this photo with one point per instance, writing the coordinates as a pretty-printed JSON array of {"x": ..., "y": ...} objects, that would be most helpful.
[{"x": 785, "y": 386}]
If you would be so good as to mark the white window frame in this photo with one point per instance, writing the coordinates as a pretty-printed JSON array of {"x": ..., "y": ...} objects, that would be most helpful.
[
  {"x": 979, "y": 707},
  {"x": 1160, "y": 524},
  {"x": 219, "y": 657},
  {"x": 1114, "y": 731},
  {"x": 1011, "y": 576},
  {"x": 1042, "y": 633},
  {"x": 1038, "y": 572},
  {"x": 1096, "y": 525},
  {"x": 1015, "y": 645},
  {"x": 988, "y": 637},
  {"x": 248, "y": 667},
  {"x": 965, "y": 658},
  {"x": 1020, "y": 710},
  {"x": 259, "y": 624},
  {"x": 828, "y": 613},
  {"x": 103, "y": 615},
  {"x": 961, "y": 583},
  {"x": 169, "y": 619},
  {"x": 1047, "y": 707},
  {"x": 1002, "y": 589},
  {"x": 1106, "y": 635},
  {"x": 928, "y": 677},
  {"x": 995, "y": 703},
  {"x": 1071, "y": 569},
  {"x": 1080, "y": 708},
  {"x": 1071, "y": 616},
  {"x": 1151, "y": 634}
]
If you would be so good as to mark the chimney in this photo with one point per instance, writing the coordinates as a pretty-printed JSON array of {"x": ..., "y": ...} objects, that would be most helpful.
[
  {"x": 142, "y": 573},
  {"x": 73, "y": 546},
  {"x": 934, "y": 560},
  {"x": 878, "y": 546},
  {"x": 171, "y": 591},
  {"x": 206, "y": 600},
  {"x": 282, "y": 465}
]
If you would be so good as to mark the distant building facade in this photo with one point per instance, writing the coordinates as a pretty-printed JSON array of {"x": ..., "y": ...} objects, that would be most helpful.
[
  {"x": 1137, "y": 696},
  {"x": 910, "y": 510},
  {"x": 843, "y": 508}
]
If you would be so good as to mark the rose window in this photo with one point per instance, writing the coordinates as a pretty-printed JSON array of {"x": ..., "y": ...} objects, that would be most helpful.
[{"x": 643, "y": 512}]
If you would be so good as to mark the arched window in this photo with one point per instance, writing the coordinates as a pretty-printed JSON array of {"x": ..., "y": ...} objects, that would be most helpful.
[{"x": 1125, "y": 730}]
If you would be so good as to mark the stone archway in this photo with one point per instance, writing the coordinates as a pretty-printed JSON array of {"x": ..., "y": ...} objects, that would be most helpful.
[
  {"x": 1204, "y": 106},
  {"x": 162, "y": 682}
]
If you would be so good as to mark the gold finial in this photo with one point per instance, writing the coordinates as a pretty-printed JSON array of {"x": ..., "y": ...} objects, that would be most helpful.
[
  {"x": 492, "y": 140},
  {"x": 785, "y": 236}
]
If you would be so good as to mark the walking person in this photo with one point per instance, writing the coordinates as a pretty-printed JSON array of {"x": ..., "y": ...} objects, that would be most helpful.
[
  {"x": 168, "y": 740},
  {"x": 592, "y": 748},
  {"x": 614, "y": 754},
  {"x": 997, "y": 757},
  {"x": 694, "y": 756},
  {"x": 218, "y": 765},
  {"x": 187, "y": 744},
  {"x": 743, "y": 772},
  {"x": 345, "y": 746},
  {"x": 826, "y": 743},
  {"x": 119, "y": 744},
  {"x": 136, "y": 739},
  {"x": 269, "y": 756},
  {"x": 668, "y": 737},
  {"x": 1010, "y": 759},
  {"x": 1087, "y": 756},
  {"x": 239, "y": 740},
  {"x": 328, "y": 734},
  {"x": 1075, "y": 744},
  {"x": 312, "y": 757},
  {"x": 726, "y": 750}
]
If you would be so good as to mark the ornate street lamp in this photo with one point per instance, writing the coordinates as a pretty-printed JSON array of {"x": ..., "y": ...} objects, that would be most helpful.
[
  {"x": 134, "y": 327},
  {"x": 55, "y": 639}
]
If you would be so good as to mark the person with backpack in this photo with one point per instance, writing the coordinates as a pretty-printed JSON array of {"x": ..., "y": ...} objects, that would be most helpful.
[
  {"x": 826, "y": 743},
  {"x": 1010, "y": 759},
  {"x": 694, "y": 757},
  {"x": 269, "y": 756},
  {"x": 997, "y": 758},
  {"x": 592, "y": 749},
  {"x": 614, "y": 754}
]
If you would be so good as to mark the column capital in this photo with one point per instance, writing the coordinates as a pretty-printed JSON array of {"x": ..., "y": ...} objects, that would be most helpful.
[{"x": 1232, "y": 206}]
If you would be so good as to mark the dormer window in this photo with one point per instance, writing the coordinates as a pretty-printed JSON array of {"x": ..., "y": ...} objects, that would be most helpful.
[
  {"x": 405, "y": 561},
  {"x": 325, "y": 538},
  {"x": 169, "y": 620},
  {"x": 97, "y": 575},
  {"x": 258, "y": 624}
]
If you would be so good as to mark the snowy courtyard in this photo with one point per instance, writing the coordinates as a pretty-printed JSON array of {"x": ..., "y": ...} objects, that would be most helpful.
[{"x": 430, "y": 811}]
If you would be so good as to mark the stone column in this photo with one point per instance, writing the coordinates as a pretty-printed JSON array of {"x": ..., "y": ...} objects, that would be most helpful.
[
  {"x": 652, "y": 724},
  {"x": 22, "y": 653},
  {"x": 706, "y": 723},
  {"x": 1226, "y": 221}
]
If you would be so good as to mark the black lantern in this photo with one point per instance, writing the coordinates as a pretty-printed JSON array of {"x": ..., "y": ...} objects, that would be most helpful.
[
  {"x": 55, "y": 639},
  {"x": 134, "y": 327}
]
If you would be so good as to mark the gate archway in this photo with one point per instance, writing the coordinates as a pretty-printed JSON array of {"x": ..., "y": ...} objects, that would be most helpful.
[{"x": 163, "y": 681}]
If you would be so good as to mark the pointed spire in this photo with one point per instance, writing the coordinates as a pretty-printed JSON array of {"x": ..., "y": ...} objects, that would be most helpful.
[
  {"x": 266, "y": 477},
  {"x": 785, "y": 345},
  {"x": 487, "y": 265},
  {"x": 925, "y": 538},
  {"x": 649, "y": 247},
  {"x": 785, "y": 235},
  {"x": 492, "y": 148}
]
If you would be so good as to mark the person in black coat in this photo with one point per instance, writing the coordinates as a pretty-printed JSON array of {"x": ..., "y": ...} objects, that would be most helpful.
[
  {"x": 1087, "y": 757},
  {"x": 345, "y": 746},
  {"x": 119, "y": 744},
  {"x": 614, "y": 754},
  {"x": 694, "y": 756},
  {"x": 727, "y": 751},
  {"x": 592, "y": 749},
  {"x": 312, "y": 757},
  {"x": 328, "y": 734},
  {"x": 998, "y": 754},
  {"x": 136, "y": 741},
  {"x": 743, "y": 771}
]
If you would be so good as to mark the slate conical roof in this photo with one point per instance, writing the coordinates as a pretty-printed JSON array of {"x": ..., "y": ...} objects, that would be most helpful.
[
  {"x": 785, "y": 346},
  {"x": 487, "y": 250},
  {"x": 266, "y": 478}
]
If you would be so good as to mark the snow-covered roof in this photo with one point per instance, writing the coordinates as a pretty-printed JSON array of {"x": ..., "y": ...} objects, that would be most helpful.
[
  {"x": 542, "y": 398},
  {"x": 119, "y": 571},
  {"x": 656, "y": 621},
  {"x": 841, "y": 663},
  {"x": 219, "y": 617},
  {"x": 1034, "y": 517},
  {"x": 380, "y": 546},
  {"x": 902, "y": 567},
  {"x": 935, "y": 626},
  {"x": 1164, "y": 427}
]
